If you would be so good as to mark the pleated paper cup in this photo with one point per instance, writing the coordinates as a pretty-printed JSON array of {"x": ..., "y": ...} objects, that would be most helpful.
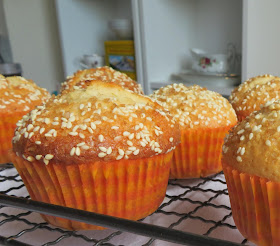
[
  {"x": 255, "y": 204},
  {"x": 7, "y": 128},
  {"x": 199, "y": 153},
  {"x": 130, "y": 189}
]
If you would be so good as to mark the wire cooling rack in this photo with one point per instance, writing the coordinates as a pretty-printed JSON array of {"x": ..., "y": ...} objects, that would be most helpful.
[{"x": 194, "y": 212}]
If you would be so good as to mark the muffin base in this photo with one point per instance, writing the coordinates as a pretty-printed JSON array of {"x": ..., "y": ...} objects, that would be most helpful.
[
  {"x": 255, "y": 204},
  {"x": 131, "y": 189},
  {"x": 199, "y": 153},
  {"x": 7, "y": 129}
]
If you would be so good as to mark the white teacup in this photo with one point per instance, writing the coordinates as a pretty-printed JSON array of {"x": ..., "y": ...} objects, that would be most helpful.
[{"x": 92, "y": 61}]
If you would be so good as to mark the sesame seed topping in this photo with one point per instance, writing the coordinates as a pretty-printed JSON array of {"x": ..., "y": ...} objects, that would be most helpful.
[
  {"x": 101, "y": 138},
  {"x": 101, "y": 154},
  {"x": 239, "y": 159},
  {"x": 267, "y": 142},
  {"x": 49, "y": 156}
]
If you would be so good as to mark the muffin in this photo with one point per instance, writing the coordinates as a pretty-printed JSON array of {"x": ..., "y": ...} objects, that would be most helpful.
[
  {"x": 17, "y": 97},
  {"x": 250, "y": 95},
  {"x": 101, "y": 148},
  {"x": 251, "y": 164},
  {"x": 204, "y": 118},
  {"x": 106, "y": 74}
]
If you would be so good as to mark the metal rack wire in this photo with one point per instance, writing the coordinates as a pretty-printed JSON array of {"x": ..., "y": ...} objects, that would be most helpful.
[{"x": 191, "y": 214}]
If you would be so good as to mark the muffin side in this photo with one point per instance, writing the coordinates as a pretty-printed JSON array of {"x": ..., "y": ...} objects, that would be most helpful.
[
  {"x": 17, "y": 97},
  {"x": 101, "y": 148},
  {"x": 204, "y": 118},
  {"x": 251, "y": 166}
]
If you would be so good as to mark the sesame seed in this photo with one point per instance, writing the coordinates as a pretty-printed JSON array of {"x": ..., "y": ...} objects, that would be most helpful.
[
  {"x": 30, "y": 158},
  {"x": 136, "y": 152},
  {"x": 102, "y": 154},
  {"x": 239, "y": 159},
  {"x": 47, "y": 121},
  {"x": 73, "y": 150},
  {"x": 73, "y": 133},
  {"x": 125, "y": 133},
  {"x": 101, "y": 138},
  {"x": 46, "y": 161},
  {"x": 38, "y": 157},
  {"x": 268, "y": 143},
  {"x": 171, "y": 140},
  {"x": 240, "y": 132},
  {"x": 48, "y": 157},
  {"x": 78, "y": 151},
  {"x": 251, "y": 135},
  {"x": 38, "y": 142},
  {"x": 121, "y": 152},
  {"x": 242, "y": 138},
  {"x": 278, "y": 129},
  {"x": 109, "y": 151},
  {"x": 85, "y": 147},
  {"x": 103, "y": 149},
  {"x": 119, "y": 157},
  {"x": 92, "y": 125},
  {"x": 81, "y": 144},
  {"x": 81, "y": 135},
  {"x": 129, "y": 143}
]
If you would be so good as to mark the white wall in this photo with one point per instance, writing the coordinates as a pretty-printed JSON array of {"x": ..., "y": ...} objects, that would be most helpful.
[
  {"x": 33, "y": 34},
  {"x": 261, "y": 49}
]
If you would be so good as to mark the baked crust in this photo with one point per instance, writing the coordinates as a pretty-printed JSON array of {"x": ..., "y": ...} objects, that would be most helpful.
[
  {"x": 252, "y": 146},
  {"x": 18, "y": 94},
  {"x": 105, "y": 74},
  {"x": 254, "y": 92},
  {"x": 101, "y": 122},
  {"x": 195, "y": 107}
]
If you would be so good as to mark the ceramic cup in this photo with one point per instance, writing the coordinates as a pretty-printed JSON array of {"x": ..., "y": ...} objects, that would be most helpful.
[{"x": 92, "y": 61}]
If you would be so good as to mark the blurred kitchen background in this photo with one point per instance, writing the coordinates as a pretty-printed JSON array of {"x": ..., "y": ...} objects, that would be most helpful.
[{"x": 214, "y": 43}]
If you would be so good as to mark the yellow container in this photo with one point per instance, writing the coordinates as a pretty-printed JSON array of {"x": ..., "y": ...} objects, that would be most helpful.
[{"x": 119, "y": 54}]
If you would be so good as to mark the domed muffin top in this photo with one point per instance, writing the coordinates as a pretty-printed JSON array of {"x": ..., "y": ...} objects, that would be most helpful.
[
  {"x": 102, "y": 122},
  {"x": 252, "y": 146},
  {"x": 195, "y": 107},
  {"x": 105, "y": 74},
  {"x": 19, "y": 94},
  {"x": 249, "y": 95}
]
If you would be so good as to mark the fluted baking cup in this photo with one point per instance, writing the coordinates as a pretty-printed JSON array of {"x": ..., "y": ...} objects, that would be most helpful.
[
  {"x": 255, "y": 204},
  {"x": 130, "y": 189},
  {"x": 7, "y": 128},
  {"x": 199, "y": 153}
]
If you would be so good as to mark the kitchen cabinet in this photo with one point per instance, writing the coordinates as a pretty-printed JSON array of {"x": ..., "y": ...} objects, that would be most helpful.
[{"x": 165, "y": 30}]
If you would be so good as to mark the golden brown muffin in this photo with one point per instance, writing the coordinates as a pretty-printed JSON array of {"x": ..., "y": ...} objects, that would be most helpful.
[
  {"x": 105, "y": 74},
  {"x": 251, "y": 163},
  {"x": 254, "y": 92},
  {"x": 204, "y": 117},
  {"x": 100, "y": 148},
  {"x": 17, "y": 97}
]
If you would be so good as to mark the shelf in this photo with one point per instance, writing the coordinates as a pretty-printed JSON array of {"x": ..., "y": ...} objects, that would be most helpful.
[{"x": 194, "y": 212}]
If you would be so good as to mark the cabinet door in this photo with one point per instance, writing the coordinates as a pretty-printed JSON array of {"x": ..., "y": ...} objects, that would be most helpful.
[{"x": 261, "y": 38}]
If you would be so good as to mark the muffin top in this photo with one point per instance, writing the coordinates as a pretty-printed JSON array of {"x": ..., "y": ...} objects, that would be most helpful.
[
  {"x": 252, "y": 146},
  {"x": 249, "y": 95},
  {"x": 105, "y": 74},
  {"x": 19, "y": 94},
  {"x": 195, "y": 107},
  {"x": 102, "y": 122}
]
